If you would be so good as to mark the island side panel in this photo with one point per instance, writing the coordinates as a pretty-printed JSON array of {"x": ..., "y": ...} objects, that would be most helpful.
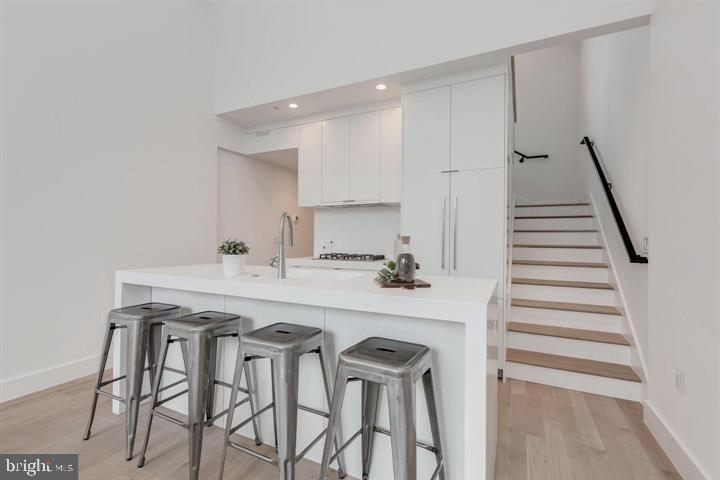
[{"x": 447, "y": 341}]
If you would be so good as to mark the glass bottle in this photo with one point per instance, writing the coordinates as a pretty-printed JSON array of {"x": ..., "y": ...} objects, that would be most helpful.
[{"x": 405, "y": 263}]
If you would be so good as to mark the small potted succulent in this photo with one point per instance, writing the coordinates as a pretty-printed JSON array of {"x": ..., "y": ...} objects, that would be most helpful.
[{"x": 233, "y": 256}]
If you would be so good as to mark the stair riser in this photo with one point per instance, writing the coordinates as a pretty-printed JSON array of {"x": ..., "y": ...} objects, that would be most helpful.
[
  {"x": 559, "y": 254},
  {"x": 575, "y": 381},
  {"x": 565, "y": 294},
  {"x": 604, "y": 352},
  {"x": 554, "y": 223},
  {"x": 580, "y": 274},
  {"x": 556, "y": 238},
  {"x": 573, "y": 210},
  {"x": 562, "y": 318}
]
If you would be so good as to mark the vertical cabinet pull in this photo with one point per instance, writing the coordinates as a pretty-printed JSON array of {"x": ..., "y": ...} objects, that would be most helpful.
[
  {"x": 442, "y": 232},
  {"x": 455, "y": 225}
]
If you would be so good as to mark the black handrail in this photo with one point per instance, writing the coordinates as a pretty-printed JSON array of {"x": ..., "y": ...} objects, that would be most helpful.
[
  {"x": 634, "y": 257},
  {"x": 523, "y": 156}
]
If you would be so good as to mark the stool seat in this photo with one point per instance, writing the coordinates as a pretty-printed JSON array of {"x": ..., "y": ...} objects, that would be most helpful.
[
  {"x": 386, "y": 357},
  {"x": 144, "y": 311},
  {"x": 280, "y": 337},
  {"x": 213, "y": 323}
]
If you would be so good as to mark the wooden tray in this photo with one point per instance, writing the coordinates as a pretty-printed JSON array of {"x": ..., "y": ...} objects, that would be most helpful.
[{"x": 410, "y": 286}]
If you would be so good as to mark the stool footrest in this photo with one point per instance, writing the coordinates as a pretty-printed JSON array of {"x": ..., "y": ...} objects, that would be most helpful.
[
  {"x": 175, "y": 370},
  {"x": 251, "y": 417},
  {"x": 345, "y": 445},
  {"x": 310, "y": 446},
  {"x": 110, "y": 395},
  {"x": 253, "y": 453},
  {"x": 170, "y": 419},
  {"x": 171, "y": 397},
  {"x": 229, "y": 385},
  {"x": 313, "y": 410},
  {"x": 174, "y": 384},
  {"x": 426, "y": 446},
  {"x": 215, "y": 417}
]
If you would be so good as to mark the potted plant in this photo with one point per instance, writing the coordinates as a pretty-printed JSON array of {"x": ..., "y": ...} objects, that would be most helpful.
[{"x": 233, "y": 256}]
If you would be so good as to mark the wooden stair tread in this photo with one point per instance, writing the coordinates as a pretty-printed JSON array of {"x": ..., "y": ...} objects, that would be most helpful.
[
  {"x": 555, "y": 216},
  {"x": 562, "y": 283},
  {"x": 553, "y": 263},
  {"x": 555, "y": 231},
  {"x": 571, "y": 364},
  {"x": 580, "y": 204},
  {"x": 573, "y": 333},
  {"x": 572, "y": 307},
  {"x": 532, "y": 245}
]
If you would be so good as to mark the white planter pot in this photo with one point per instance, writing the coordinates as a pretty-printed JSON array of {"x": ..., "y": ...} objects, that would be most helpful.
[{"x": 233, "y": 264}]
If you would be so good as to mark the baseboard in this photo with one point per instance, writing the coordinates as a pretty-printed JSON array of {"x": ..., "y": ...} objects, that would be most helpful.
[
  {"x": 32, "y": 382},
  {"x": 685, "y": 463}
]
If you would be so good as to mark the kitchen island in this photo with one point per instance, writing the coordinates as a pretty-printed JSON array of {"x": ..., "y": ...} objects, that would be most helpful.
[{"x": 456, "y": 318}]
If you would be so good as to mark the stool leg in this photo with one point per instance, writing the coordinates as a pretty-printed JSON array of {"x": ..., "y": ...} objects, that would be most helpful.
[
  {"x": 155, "y": 393},
  {"x": 199, "y": 351},
  {"x": 136, "y": 351},
  {"x": 401, "y": 403},
  {"x": 274, "y": 416},
  {"x": 237, "y": 376},
  {"x": 328, "y": 397},
  {"x": 109, "y": 329},
  {"x": 251, "y": 395},
  {"x": 212, "y": 365},
  {"x": 286, "y": 389},
  {"x": 153, "y": 350},
  {"x": 371, "y": 397},
  {"x": 434, "y": 420},
  {"x": 341, "y": 378}
]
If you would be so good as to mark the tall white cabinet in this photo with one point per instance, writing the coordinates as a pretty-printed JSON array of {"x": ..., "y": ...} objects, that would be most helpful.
[{"x": 454, "y": 157}]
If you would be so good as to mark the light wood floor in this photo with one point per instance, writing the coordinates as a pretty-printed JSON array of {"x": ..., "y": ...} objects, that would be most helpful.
[
  {"x": 53, "y": 421},
  {"x": 556, "y": 434},
  {"x": 544, "y": 433}
]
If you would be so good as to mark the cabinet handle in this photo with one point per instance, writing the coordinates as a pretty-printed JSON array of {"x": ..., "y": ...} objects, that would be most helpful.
[
  {"x": 346, "y": 201},
  {"x": 455, "y": 223},
  {"x": 442, "y": 232}
]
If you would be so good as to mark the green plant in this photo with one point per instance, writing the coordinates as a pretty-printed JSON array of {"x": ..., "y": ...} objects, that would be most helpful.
[
  {"x": 388, "y": 273},
  {"x": 233, "y": 247}
]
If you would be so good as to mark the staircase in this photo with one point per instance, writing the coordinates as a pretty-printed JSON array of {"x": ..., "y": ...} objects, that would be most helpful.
[{"x": 565, "y": 325}]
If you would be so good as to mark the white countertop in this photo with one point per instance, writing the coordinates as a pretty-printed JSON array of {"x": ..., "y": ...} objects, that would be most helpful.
[
  {"x": 453, "y": 299},
  {"x": 310, "y": 262}
]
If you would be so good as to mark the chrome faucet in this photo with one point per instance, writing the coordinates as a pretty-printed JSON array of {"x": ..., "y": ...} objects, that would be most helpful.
[{"x": 281, "y": 254}]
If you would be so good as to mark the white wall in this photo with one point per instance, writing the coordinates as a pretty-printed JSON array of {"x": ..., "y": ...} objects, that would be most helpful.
[
  {"x": 252, "y": 194},
  {"x": 108, "y": 162},
  {"x": 615, "y": 114},
  {"x": 320, "y": 45},
  {"x": 357, "y": 229},
  {"x": 684, "y": 227},
  {"x": 546, "y": 86}
]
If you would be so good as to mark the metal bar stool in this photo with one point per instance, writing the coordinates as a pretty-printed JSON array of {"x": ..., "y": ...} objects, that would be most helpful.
[
  {"x": 283, "y": 344},
  {"x": 142, "y": 341},
  {"x": 397, "y": 365},
  {"x": 198, "y": 334}
]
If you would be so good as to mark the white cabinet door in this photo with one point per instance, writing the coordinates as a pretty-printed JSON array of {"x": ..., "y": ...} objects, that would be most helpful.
[
  {"x": 309, "y": 164},
  {"x": 365, "y": 157},
  {"x": 477, "y": 224},
  {"x": 425, "y": 217},
  {"x": 477, "y": 122},
  {"x": 335, "y": 159},
  {"x": 391, "y": 155},
  {"x": 426, "y": 131}
]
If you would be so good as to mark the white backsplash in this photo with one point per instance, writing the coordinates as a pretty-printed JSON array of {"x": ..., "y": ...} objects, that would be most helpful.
[{"x": 357, "y": 229}]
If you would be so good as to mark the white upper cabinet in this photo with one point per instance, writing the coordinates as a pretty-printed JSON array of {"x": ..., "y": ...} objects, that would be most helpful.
[
  {"x": 477, "y": 124},
  {"x": 365, "y": 158},
  {"x": 309, "y": 164},
  {"x": 336, "y": 160},
  {"x": 391, "y": 155},
  {"x": 426, "y": 127}
]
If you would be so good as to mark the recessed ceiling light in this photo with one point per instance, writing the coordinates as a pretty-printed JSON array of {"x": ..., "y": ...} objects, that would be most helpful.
[
  {"x": 293, "y": 105},
  {"x": 380, "y": 86}
]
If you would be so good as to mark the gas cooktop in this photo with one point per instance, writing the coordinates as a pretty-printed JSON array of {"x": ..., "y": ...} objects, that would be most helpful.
[{"x": 359, "y": 257}]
